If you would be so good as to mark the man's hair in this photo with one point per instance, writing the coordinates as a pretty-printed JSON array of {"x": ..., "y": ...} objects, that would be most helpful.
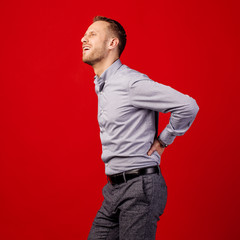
[{"x": 117, "y": 29}]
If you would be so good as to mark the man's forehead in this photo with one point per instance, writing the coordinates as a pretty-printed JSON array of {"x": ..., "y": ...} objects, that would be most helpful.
[{"x": 98, "y": 26}]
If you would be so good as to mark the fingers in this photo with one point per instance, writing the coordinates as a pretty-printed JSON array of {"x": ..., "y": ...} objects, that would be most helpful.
[
  {"x": 152, "y": 149},
  {"x": 150, "y": 152},
  {"x": 155, "y": 147}
]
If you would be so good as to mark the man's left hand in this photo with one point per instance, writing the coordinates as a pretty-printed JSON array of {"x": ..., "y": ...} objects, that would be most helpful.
[{"x": 156, "y": 147}]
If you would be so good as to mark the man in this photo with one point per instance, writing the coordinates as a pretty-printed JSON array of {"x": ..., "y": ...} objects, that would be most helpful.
[{"x": 136, "y": 193}]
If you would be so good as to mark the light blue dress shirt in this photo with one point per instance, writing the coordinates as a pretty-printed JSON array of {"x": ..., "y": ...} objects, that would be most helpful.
[{"x": 127, "y": 101}]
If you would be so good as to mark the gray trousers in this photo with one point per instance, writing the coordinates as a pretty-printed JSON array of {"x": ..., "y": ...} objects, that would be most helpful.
[{"x": 130, "y": 210}]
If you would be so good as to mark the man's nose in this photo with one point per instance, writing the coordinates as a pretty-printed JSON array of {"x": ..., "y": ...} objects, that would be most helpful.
[{"x": 84, "y": 39}]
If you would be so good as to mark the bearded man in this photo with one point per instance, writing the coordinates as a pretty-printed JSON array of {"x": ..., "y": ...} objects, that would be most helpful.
[{"x": 136, "y": 193}]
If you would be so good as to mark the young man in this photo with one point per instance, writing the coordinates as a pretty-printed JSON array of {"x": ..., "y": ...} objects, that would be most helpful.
[{"x": 135, "y": 195}]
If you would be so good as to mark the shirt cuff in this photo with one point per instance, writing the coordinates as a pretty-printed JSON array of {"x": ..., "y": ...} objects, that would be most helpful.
[{"x": 166, "y": 137}]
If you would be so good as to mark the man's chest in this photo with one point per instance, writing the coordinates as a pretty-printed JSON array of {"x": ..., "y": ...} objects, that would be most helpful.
[{"x": 114, "y": 105}]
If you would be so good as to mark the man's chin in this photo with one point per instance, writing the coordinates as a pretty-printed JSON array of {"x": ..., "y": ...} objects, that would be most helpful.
[
  {"x": 92, "y": 61},
  {"x": 87, "y": 61}
]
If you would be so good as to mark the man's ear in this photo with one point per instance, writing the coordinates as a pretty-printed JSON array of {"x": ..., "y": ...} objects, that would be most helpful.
[{"x": 113, "y": 43}]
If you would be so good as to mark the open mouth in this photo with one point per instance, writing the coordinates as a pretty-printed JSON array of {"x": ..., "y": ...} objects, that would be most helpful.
[{"x": 86, "y": 48}]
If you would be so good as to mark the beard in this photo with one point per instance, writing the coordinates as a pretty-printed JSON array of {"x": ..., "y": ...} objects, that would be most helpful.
[
  {"x": 92, "y": 59},
  {"x": 94, "y": 56}
]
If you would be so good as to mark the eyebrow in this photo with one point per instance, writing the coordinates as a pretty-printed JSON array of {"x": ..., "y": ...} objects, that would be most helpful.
[{"x": 92, "y": 31}]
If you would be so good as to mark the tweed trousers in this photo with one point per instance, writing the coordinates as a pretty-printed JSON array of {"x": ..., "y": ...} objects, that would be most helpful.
[{"x": 130, "y": 210}]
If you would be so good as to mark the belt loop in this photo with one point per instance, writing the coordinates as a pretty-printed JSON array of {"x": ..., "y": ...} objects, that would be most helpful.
[
  {"x": 158, "y": 169},
  {"x": 124, "y": 177}
]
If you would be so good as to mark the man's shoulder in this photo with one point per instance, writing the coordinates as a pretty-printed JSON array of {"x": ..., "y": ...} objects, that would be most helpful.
[{"x": 131, "y": 75}]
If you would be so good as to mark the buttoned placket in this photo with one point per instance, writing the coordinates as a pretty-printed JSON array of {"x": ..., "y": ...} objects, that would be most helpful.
[{"x": 101, "y": 110}]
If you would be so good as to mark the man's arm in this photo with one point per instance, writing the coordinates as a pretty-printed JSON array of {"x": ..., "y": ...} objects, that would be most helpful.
[{"x": 158, "y": 97}]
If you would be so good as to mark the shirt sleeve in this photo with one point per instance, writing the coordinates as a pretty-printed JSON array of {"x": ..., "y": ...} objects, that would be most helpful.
[{"x": 148, "y": 94}]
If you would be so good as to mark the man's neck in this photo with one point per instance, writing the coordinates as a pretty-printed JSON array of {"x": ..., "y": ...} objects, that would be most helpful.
[{"x": 100, "y": 67}]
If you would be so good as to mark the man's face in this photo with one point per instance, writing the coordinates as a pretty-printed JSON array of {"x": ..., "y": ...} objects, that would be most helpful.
[{"x": 95, "y": 43}]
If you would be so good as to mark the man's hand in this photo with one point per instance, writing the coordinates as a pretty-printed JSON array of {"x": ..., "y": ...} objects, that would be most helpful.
[{"x": 156, "y": 147}]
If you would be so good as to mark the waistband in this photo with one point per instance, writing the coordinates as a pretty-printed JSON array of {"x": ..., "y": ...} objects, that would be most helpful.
[{"x": 125, "y": 176}]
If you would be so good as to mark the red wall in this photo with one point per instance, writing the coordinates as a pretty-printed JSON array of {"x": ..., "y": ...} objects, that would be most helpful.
[{"x": 51, "y": 174}]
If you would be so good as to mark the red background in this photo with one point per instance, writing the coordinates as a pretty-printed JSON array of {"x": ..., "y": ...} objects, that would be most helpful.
[{"x": 51, "y": 174}]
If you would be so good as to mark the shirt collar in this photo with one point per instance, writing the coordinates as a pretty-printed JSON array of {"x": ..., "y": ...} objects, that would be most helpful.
[{"x": 108, "y": 72}]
